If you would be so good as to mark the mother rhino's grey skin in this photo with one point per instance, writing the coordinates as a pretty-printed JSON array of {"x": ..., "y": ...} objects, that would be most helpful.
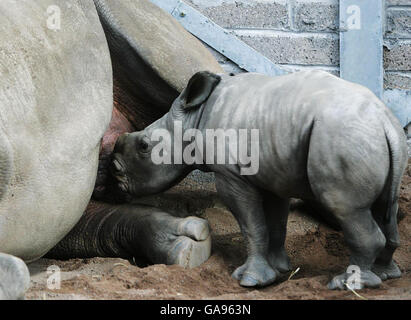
[
  {"x": 55, "y": 105},
  {"x": 321, "y": 139},
  {"x": 153, "y": 56}
]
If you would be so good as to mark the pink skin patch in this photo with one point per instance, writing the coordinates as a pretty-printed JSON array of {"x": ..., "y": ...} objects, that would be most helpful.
[{"x": 119, "y": 124}]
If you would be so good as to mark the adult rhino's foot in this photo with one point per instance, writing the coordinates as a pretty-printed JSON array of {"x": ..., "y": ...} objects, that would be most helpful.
[
  {"x": 193, "y": 227},
  {"x": 185, "y": 242},
  {"x": 387, "y": 271},
  {"x": 366, "y": 279},
  {"x": 14, "y": 277},
  {"x": 256, "y": 272},
  {"x": 136, "y": 231},
  {"x": 279, "y": 260}
]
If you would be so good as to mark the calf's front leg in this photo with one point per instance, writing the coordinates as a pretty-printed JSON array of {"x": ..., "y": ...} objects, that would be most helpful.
[
  {"x": 276, "y": 213},
  {"x": 246, "y": 204}
]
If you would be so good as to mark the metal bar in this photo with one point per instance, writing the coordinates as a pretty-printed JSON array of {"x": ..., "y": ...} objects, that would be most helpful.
[
  {"x": 399, "y": 101},
  {"x": 361, "y": 43},
  {"x": 219, "y": 39},
  {"x": 166, "y": 5}
]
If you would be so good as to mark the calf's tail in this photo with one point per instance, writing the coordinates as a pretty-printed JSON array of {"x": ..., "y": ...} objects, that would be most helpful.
[{"x": 396, "y": 149}]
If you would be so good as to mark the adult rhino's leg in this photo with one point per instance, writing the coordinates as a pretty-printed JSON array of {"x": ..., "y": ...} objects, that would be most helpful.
[
  {"x": 129, "y": 231},
  {"x": 153, "y": 57},
  {"x": 14, "y": 277}
]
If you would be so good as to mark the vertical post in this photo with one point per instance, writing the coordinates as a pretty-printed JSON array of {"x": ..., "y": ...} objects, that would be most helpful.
[{"x": 361, "y": 43}]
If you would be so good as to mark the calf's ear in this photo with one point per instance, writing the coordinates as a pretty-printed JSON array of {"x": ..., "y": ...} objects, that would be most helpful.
[{"x": 199, "y": 88}]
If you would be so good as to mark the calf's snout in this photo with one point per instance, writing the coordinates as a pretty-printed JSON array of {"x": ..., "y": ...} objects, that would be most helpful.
[{"x": 120, "y": 143}]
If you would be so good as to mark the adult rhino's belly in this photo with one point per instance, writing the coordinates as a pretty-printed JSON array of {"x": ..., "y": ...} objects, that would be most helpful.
[
  {"x": 55, "y": 105},
  {"x": 45, "y": 199}
]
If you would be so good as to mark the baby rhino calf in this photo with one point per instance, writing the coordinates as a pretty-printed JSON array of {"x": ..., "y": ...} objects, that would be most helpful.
[{"x": 308, "y": 135}]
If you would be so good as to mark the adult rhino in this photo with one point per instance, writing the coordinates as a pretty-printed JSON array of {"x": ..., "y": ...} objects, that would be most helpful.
[{"x": 56, "y": 103}]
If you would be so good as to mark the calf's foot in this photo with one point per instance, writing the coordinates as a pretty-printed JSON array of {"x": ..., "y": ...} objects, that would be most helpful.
[
  {"x": 365, "y": 279},
  {"x": 255, "y": 272},
  {"x": 14, "y": 277},
  {"x": 387, "y": 271},
  {"x": 280, "y": 261}
]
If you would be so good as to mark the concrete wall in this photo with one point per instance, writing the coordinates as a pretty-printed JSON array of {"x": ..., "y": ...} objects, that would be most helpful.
[{"x": 301, "y": 34}]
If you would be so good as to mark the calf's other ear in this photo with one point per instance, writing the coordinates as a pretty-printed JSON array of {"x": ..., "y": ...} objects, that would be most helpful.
[{"x": 198, "y": 89}]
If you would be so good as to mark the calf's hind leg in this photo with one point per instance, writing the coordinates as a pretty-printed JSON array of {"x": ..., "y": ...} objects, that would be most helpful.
[
  {"x": 384, "y": 265},
  {"x": 365, "y": 241},
  {"x": 347, "y": 171}
]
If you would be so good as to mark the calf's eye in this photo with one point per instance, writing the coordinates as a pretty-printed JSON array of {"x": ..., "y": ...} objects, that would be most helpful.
[{"x": 143, "y": 146}]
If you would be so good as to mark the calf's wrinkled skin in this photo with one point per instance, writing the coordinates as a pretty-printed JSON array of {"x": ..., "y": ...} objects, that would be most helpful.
[{"x": 321, "y": 139}]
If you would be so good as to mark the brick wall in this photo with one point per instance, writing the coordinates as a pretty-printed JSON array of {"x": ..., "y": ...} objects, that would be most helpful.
[
  {"x": 397, "y": 50},
  {"x": 302, "y": 34}
]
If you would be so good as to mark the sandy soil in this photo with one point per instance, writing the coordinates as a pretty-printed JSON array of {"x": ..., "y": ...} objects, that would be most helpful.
[{"x": 316, "y": 250}]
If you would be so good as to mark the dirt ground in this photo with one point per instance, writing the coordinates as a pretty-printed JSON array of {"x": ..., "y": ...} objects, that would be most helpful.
[{"x": 316, "y": 250}]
